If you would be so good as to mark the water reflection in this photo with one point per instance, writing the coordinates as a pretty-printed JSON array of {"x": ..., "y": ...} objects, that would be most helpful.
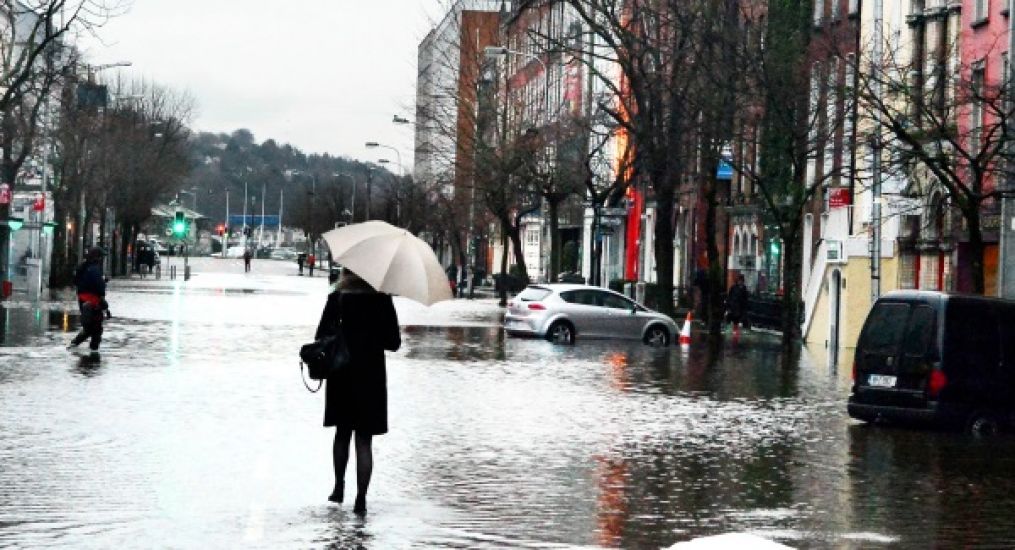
[{"x": 932, "y": 488}]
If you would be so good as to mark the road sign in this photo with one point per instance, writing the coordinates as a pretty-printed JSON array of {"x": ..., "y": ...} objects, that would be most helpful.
[
  {"x": 5, "y": 193},
  {"x": 614, "y": 212}
]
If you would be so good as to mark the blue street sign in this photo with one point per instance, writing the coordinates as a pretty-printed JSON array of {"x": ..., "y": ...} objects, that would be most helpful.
[
  {"x": 236, "y": 220},
  {"x": 725, "y": 170}
]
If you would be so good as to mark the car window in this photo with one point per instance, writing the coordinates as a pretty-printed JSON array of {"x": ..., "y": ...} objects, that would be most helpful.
[
  {"x": 615, "y": 302},
  {"x": 884, "y": 328},
  {"x": 533, "y": 294},
  {"x": 580, "y": 297},
  {"x": 919, "y": 340}
]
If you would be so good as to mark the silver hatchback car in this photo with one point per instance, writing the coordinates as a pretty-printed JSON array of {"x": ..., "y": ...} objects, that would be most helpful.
[{"x": 560, "y": 312}]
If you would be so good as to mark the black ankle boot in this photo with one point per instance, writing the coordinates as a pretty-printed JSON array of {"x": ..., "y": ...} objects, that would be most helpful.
[
  {"x": 337, "y": 494},
  {"x": 360, "y": 508}
]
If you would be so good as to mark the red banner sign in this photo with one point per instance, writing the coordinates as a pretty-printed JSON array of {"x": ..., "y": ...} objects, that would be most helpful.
[
  {"x": 39, "y": 204},
  {"x": 5, "y": 193},
  {"x": 838, "y": 197}
]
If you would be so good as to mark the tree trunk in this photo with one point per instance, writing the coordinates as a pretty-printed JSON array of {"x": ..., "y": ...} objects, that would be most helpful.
[
  {"x": 553, "y": 207},
  {"x": 716, "y": 284},
  {"x": 664, "y": 232},
  {"x": 976, "y": 250},
  {"x": 503, "y": 291},
  {"x": 516, "y": 243},
  {"x": 792, "y": 272}
]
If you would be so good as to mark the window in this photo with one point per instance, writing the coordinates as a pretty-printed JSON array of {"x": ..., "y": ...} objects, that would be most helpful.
[
  {"x": 613, "y": 301},
  {"x": 1006, "y": 85},
  {"x": 580, "y": 297},
  {"x": 920, "y": 332},
  {"x": 819, "y": 12},
  {"x": 533, "y": 294},
  {"x": 532, "y": 237},
  {"x": 981, "y": 11},
  {"x": 976, "y": 112},
  {"x": 834, "y": 9},
  {"x": 854, "y": 7},
  {"x": 884, "y": 328}
]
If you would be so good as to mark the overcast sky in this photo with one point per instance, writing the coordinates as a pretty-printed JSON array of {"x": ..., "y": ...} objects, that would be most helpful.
[{"x": 324, "y": 75}]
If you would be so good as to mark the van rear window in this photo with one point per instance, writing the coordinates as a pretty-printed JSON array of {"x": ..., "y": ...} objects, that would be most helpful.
[
  {"x": 533, "y": 294},
  {"x": 920, "y": 333},
  {"x": 885, "y": 325}
]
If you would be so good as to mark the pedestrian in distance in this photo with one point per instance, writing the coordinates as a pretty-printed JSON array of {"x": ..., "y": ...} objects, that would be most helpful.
[
  {"x": 311, "y": 261},
  {"x": 356, "y": 400},
  {"x": 300, "y": 258},
  {"x": 91, "y": 289},
  {"x": 736, "y": 303},
  {"x": 247, "y": 257}
]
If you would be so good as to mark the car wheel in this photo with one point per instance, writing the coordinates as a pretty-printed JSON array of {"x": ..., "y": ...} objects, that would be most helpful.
[
  {"x": 561, "y": 332},
  {"x": 982, "y": 424},
  {"x": 657, "y": 336}
]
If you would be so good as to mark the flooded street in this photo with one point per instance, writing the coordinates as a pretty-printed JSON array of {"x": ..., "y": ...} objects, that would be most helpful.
[{"x": 195, "y": 431}]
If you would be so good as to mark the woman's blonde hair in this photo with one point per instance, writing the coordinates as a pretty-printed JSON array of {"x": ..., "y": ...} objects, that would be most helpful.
[{"x": 352, "y": 281}]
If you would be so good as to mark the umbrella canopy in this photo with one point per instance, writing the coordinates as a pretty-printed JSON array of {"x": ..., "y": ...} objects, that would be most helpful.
[{"x": 391, "y": 260}]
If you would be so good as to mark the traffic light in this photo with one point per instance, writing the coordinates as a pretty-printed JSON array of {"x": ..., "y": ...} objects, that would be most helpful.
[
  {"x": 221, "y": 229},
  {"x": 179, "y": 225},
  {"x": 247, "y": 231}
]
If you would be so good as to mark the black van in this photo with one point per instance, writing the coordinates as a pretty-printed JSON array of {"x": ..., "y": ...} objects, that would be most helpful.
[{"x": 941, "y": 359}]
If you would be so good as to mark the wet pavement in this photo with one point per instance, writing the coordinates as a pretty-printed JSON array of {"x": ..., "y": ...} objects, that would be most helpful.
[{"x": 194, "y": 431}]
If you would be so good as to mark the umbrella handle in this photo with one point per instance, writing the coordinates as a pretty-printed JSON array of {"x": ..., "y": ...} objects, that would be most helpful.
[{"x": 304, "y": 378}]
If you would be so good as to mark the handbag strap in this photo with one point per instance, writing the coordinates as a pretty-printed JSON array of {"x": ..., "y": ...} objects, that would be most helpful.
[{"x": 304, "y": 378}]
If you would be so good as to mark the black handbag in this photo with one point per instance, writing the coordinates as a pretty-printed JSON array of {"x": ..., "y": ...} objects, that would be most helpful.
[{"x": 325, "y": 358}]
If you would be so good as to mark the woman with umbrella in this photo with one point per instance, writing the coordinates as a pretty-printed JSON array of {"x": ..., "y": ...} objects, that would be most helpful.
[
  {"x": 379, "y": 260},
  {"x": 356, "y": 400}
]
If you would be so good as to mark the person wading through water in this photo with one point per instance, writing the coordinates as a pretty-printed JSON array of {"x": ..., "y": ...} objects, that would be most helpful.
[
  {"x": 91, "y": 288},
  {"x": 356, "y": 401}
]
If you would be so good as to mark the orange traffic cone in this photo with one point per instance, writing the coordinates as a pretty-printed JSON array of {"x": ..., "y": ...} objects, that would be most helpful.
[{"x": 685, "y": 331}]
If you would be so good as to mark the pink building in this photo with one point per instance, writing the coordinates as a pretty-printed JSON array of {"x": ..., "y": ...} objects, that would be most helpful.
[{"x": 983, "y": 54}]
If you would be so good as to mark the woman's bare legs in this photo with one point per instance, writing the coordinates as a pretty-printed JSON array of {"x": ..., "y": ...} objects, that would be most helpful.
[
  {"x": 364, "y": 468},
  {"x": 340, "y": 457}
]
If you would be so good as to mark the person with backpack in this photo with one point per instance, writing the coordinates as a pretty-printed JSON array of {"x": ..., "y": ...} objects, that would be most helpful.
[{"x": 91, "y": 289}]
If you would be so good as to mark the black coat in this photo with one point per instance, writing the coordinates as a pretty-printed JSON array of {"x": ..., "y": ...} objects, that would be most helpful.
[{"x": 358, "y": 399}]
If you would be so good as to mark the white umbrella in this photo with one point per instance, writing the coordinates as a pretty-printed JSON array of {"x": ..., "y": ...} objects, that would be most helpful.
[{"x": 391, "y": 260}]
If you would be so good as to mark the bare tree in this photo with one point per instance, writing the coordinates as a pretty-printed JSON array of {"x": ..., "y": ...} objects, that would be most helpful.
[
  {"x": 653, "y": 44},
  {"x": 946, "y": 131},
  {"x": 33, "y": 52}
]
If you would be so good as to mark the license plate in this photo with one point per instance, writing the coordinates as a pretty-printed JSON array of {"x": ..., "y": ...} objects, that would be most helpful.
[{"x": 881, "y": 381}]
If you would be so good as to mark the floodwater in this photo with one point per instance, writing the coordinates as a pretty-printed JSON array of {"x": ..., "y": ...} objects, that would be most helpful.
[{"x": 195, "y": 431}]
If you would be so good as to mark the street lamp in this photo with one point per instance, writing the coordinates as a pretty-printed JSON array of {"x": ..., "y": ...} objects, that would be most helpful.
[{"x": 375, "y": 145}]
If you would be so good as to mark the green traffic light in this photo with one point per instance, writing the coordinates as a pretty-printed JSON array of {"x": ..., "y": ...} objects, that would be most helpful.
[
  {"x": 15, "y": 223},
  {"x": 179, "y": 228}
]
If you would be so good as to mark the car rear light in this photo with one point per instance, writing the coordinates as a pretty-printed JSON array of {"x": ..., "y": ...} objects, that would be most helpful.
[
  {"x": 853, "y": 375},
  {"x": 537, "y": 306},
  {"x": 937, "y": 382}
]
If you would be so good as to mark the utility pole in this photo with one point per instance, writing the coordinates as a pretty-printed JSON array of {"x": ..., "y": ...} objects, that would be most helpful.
[
  {"x": 1006, "y": 279},
  {"x": 260, "y": 230},
  {"x": 243, "y": 240},
  {"x": 225, "y": 234},
  {"x": 875, "y": 248}
]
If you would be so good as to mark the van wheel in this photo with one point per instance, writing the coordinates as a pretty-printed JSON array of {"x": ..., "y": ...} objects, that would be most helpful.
[
  {"x": 657, "y": 337},
  {"x": 561, "y": 332},
  {"x": 983, "y": 424}
]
